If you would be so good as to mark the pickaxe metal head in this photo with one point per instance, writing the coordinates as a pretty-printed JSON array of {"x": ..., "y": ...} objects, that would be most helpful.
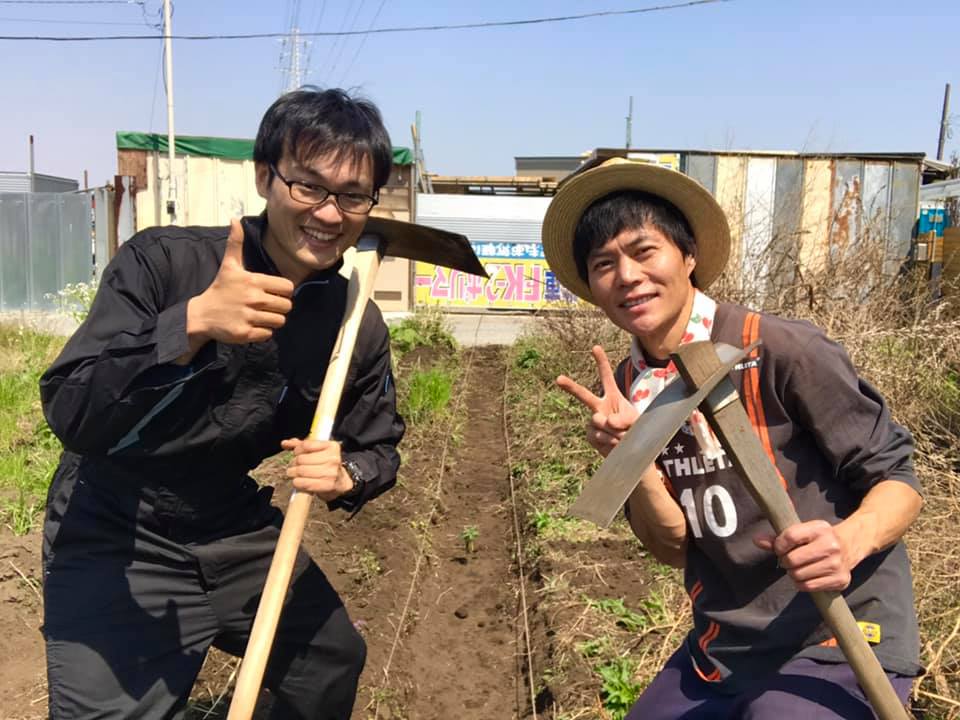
[
  {"x": 421, "y": 242},
  {"x": 604, "y": 495}
]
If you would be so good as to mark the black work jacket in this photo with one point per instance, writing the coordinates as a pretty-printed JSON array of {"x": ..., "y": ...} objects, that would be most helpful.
[{"x": 188, "y": 436}]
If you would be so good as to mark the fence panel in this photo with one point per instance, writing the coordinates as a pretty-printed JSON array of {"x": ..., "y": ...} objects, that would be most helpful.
[
  {"x": 46, "y": 242},
  {"x": 14, "y": 252}
]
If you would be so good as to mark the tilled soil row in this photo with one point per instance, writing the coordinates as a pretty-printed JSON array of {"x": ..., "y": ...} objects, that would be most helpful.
[{"x": 439, "y": 620}]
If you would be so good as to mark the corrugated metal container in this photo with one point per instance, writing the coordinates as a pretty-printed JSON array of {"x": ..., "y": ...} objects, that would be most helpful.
[
  {"x": 785, "y": 206},
  {"x": 20, "y": 182}
]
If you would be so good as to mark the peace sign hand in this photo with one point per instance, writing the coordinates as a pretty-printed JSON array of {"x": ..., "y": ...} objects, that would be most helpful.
[{"x": 613, "y": 414}]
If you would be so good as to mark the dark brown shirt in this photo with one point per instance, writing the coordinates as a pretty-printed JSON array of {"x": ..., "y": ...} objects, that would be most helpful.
[{"x": 832, "y": 438}]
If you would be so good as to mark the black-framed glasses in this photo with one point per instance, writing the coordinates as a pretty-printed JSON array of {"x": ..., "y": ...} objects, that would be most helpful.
[{"x": 308, "y": 194}]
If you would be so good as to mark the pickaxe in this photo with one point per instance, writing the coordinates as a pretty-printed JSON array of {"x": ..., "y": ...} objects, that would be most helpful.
[
  {"x": 705, "y": 368},
  {"x": 361, "y": 263}
]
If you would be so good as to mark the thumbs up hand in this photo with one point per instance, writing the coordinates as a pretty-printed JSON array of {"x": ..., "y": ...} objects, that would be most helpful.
[{"x": 239, "y": 306}]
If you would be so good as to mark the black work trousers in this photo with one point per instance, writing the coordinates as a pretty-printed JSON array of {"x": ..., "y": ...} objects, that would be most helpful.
[{"x": 130, "y": 613}]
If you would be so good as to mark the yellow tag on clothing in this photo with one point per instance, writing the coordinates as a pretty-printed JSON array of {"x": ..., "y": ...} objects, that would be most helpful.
[{"x": 871, "y": 631}]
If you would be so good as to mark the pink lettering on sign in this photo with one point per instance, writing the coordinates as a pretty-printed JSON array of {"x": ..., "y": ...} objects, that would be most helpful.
[
  {"x": 473, "y": 287},
  {"x": 513, "y": 275},
  {"x": 440, "y": 287},
  {"x": 533, "y": 286},
  {"x": 509, "y": 282}
]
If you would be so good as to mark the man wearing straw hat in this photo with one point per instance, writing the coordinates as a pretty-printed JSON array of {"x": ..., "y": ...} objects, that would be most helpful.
[{"x": 644, "y": 244}]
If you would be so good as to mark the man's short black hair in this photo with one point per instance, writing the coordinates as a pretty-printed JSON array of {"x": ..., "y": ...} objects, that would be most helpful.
[
  {"x": 311, "y": 122},
  {"x": 610, "y": 215}
]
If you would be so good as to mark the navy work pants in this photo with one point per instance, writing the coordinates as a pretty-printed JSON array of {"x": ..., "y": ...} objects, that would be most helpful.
[
  {"x": 130, "y": 614},
  {"x": 802, "y": 688}
]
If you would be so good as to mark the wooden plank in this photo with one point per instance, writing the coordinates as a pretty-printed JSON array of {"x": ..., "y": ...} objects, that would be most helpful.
[
  {"x": 815, "y": 213},
  {"x": 951, "y": 255},
  {"x": 134, "y": 164},
  {"x": 731, "y": 179},
  {"x": 703, "y": 169},
  {"x": 787, "y": 215},
  {"x": 758, "y": 222}
]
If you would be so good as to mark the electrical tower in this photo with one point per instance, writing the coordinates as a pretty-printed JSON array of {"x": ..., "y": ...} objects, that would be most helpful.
[{"x": 291, "y": 60}]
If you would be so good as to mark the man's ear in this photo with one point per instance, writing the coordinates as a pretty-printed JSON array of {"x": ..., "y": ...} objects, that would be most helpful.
[
  {"x": 263, "y": 175},
  {"x": 690, "y": 263}
]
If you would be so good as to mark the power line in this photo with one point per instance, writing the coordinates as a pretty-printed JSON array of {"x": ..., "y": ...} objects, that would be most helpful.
[
  {"x": 378, "y": 31},
  {"x": 363, "y": 40},
  {"x": 72, "y": 2},
  {"x": 68, "y": 22},
  {"x": 156, "y": 81},
  {"x": 339, "y": 37},
  {"x": 158, "y": 25},
  {"x": 343, "y": 45},
  {"x": 309, "y": 58}
]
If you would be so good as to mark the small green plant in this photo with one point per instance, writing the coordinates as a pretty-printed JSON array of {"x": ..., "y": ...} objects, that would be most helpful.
[
  {"x": 528, "y": 358},
  {"x": 75, "y": 299},
  {"x": 427, "y": 394},
  {"x": 624, "y": 616},
  {"x": 593, "y": 648},
  {"x": 541, "y": 521},
  {"x": 619, "y": 690},
  {"x": 368, "y": 567},
  {"x": 424, "y": 329},
  {"x": 469, "y": 535},
  {"x": 656, "y": 608}
]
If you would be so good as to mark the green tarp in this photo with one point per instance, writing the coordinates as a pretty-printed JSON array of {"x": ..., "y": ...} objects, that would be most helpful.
[{"x": 229, "y": 148}]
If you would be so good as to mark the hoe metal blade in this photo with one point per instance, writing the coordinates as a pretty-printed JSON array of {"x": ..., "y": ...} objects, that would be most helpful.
[{"x": 605, "y": 493}]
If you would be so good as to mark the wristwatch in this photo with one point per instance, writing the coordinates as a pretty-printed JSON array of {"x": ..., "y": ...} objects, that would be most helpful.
[{"x": 353, "y": 470}]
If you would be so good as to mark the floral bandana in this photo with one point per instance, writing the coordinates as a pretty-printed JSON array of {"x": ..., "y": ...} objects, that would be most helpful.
[{"x": 650, "y": 381}]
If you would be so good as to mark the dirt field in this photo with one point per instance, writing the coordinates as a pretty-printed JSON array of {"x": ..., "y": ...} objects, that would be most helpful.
[{"x": 440, "y": 622}]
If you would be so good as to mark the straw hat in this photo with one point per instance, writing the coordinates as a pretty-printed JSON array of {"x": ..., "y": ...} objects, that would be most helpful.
[{"x": 706, "y": 218}]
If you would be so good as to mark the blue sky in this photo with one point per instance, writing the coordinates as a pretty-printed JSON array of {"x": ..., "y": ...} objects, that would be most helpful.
[{"x": 840, "y": 75}]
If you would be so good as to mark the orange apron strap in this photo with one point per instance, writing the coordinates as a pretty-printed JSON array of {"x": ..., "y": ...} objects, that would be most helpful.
[{"x": 751, "y": 391}]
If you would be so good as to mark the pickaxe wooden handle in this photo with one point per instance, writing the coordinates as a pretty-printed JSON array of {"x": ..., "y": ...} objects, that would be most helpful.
[
  {"x": 382, "y": 236},
  {"x": 364, "y": 262},
  {"x": 705, "y": 368}
]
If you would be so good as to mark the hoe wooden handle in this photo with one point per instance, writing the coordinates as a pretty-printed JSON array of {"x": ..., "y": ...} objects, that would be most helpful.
[
  {"x": 729, "y": 420},
  {"x": 362, "y": 275}
]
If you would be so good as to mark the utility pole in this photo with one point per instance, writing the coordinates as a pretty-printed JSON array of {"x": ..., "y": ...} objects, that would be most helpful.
[
  {"x": 296, "y": 79},
  {"x": 33, "y": 179},
  {"x": 629, "y": 123},
  {"x": 171, "y": 138},
  {"x": 944, "y": 121},
  {"x": 291, "y": 60}
]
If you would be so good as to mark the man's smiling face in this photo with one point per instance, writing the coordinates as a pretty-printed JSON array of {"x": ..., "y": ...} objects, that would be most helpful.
[
  {"x": 641, "y": 280},
  {"x": 303, "y": 239}
]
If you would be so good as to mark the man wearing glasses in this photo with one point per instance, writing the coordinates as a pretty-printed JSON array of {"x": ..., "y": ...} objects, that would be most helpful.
[{"x": 204, "y": 353}]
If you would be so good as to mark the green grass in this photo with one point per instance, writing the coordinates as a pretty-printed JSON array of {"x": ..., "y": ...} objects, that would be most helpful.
[
  {"x": 423, "y": 329},
  {"x": 619, "y": 690},
  {"x": 625, "y": 617},
  {"x": 28, "y": 449},
  {"x": 426, "y": 394}
]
